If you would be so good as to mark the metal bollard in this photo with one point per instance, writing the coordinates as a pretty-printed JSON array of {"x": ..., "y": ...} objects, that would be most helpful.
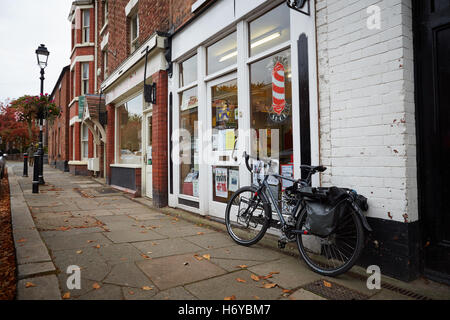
[
  {"x": 36, "y": 172},
  {"x": 25, "y": 165}
]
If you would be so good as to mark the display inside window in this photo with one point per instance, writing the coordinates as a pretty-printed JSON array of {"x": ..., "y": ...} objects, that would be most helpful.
[
  {"x": 269, "y": 30},
  {"x": 129, "y": 126},
  {"x": 271, "y": 109},
  {"x": 188, "y": 71},
  {"x": 189, "y": 143},
  {"x": 222, "y": 54},
  {"x": 224, "y": 121}
]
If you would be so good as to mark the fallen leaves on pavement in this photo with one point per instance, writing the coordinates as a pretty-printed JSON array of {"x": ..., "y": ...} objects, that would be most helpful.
[
  {"x": 207, "y": 256},
  {"x": 29, "y": 285},
  {"x": 242, "y": 266},
  {"x": 327, "y": 284},
  {"x": 96, "y": 286},
  {"x": 254, "y": 277},
  {"x": 233, "y": 297},
  {"x": 66, "y": 295},
  {"x": 147, "y": 288},
  {"x": 269, "y": 285},
  {"x": 240, "y": 280}
]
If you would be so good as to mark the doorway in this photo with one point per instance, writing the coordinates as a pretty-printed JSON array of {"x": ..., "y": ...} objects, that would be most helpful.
[
  {"x": 432, "y": 76},
  {"x": 148, "y": 162},
  {"x": 224, "y": 174}
]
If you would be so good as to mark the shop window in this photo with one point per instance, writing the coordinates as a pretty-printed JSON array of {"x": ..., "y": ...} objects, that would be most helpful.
[
  {"x": 86, "y": 25},
  {"x": 225, "y": 117},
  {"x": 84, "y": 142},
  {"x": 269, "y": 30},
  {"x": 222, "y": 54},
  {"x": 85, "y": 78},
  {"x": 188, "y": 71},
  {"x": 189, "y": 142},
  {"x": 271, "y": 109},
  {"x": 129, "y": 117}
]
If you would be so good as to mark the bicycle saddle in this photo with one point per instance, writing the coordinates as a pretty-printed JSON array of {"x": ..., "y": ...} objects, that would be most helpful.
[{"x": 313, "y": 168}]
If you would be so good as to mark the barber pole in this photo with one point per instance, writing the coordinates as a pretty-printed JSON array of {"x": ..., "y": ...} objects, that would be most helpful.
[{"x": 278, "y": 90}]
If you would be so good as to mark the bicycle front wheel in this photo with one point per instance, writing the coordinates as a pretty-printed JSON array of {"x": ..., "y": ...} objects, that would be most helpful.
[
  {"x": 247, "y": 216},
  {"x": 337, "y": 253}
]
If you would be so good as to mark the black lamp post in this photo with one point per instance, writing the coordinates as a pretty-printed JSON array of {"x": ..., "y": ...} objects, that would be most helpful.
[{"x": 42, "y": 57}]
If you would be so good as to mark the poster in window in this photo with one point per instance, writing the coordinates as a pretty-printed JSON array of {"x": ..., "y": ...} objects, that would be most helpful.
[
  {"x": 221, "y": 184},
  {"x": 287, "y": 170},
  {"x": 233, "y": 180}
]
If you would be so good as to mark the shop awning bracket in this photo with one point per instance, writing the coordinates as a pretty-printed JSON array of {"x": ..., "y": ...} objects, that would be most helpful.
[
  {"x": 149, "y": 89},
  {"x": 301, "y": 6}
]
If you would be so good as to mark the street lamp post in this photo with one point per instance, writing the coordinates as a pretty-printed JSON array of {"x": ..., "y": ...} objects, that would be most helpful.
[{"x": 42, "y": 58}]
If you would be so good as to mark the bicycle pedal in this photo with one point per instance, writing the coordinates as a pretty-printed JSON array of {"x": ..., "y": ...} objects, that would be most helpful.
[{"x": 281, "y": 244}]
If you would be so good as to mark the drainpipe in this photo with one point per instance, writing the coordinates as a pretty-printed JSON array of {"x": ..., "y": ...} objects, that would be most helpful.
[{"x": 96, "y": 46}]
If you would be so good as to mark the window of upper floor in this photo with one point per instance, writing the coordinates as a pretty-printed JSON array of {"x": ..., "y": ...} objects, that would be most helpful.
[
  {"x": 85, "y": 33},
  {"x": 84, "y": 78},
  {"x": 105, "y": 12},
  {"x": 134, "y": 32}
]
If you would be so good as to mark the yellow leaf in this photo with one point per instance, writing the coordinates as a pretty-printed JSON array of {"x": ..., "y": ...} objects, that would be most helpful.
[
  {"x": 66, "y": 295},
  {"x": 79, "y": 251},
  {"x": 254, "y": 277},
  {"x": 29, "y": 284},
  {"x": 240, "y": 280},
  {"x": 147, "y": 288},
  {"x": 207, "y": 256},
  {"x": 96, "y": 286},
  {"x": 327, "y": 284},
  {"x": 287, "y": 291},
  {"x": 242, "y": 266},
  {"x": 256, "y": 297},
  {"x": 97, "y": 246},
  {"x": 196, "y": 256},
  {"x": 200, "y": 233},
  {"x": 233, "y": 297},
  {"x": 270, "y": 285}
]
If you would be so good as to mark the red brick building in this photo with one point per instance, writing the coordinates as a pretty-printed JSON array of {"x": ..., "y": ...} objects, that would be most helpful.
[{"x": 58, "y": 130}]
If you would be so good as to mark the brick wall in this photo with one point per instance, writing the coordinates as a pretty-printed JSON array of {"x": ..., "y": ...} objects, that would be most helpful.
[
  {"x": 58, "y": 144},
  {"x": 159, "y": 144},
  {"x": 367, "y": 135}
]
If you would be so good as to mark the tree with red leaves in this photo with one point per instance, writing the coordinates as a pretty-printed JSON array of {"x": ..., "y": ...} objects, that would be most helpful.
[{"x": 15, "y": 132}]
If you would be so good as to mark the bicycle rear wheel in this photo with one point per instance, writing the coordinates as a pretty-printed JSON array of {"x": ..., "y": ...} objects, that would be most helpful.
[
  {"x": 337, "y": 253},
  {"x": 247, "y": 216}
]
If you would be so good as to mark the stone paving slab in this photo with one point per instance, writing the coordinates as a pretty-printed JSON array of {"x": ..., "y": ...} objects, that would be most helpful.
[
  {"x": 44, "y": 288},
  {"x": 237, "y": 252},
  {"x": 119, "y": 253},
  {"x": 228, "y": 285},
  {"x": 128, "y": 275},
  {"x": 123, "y": 236},
  {"x": 73, "y": 231},
  {"x": 178, "y": 270},
  {"x": 93, "y": 266},
  {"x": 212, "y": 240},
  {"x": 33, "y": 269},
  {"x": 166, "y": 247},
  {"x": 77, "y": 241},
  {"x": 177, "y": 293},
  {"x": 303, "y": 294},
  {"x": 293, "y": 273}
]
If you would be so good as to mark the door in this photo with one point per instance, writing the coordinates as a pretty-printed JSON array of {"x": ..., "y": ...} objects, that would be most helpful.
[
  {"x": 224, "y": 175},
  {"x": 148, "y": 157},
  {"x": 432, "y": 52}
]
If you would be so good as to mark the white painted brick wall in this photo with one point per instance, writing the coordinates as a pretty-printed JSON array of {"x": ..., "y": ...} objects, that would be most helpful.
[{"x": 366, "y": 103}]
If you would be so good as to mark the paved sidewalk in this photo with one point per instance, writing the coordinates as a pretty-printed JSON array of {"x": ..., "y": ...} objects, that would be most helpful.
[{"x": 127, "y": 250}]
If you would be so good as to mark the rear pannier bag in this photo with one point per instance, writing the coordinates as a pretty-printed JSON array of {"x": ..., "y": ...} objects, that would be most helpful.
[{"x": 322, "y": 215}]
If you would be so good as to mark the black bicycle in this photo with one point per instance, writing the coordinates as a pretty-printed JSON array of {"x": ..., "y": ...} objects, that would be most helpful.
[{"x": 326, "y": 223}]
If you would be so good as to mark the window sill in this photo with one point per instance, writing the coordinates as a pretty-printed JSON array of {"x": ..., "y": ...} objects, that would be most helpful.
[
  {"x": 124, "y": 165},
  {"x": 78, "y": 163}
]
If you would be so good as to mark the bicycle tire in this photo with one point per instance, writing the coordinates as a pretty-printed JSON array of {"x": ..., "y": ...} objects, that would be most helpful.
[
  {"x": 264, "y": 226},
  {"x": 317, "y": 266}
]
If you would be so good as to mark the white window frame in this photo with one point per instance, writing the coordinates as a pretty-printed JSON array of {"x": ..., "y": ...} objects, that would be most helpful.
[
  {"x": 105, "y": 12},
  {"x": 84, "y": 80},
  {"x": 84, "y": 142},
  {"x": 105, "y": 63},
  {"x": 134, "y": 42},
  {"x": 86, "y": 27}
]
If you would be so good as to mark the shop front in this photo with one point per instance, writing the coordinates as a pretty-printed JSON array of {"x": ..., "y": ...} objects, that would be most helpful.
[
  {"x": 130, "y": 156},
  {"x": 237, "y": 86}
]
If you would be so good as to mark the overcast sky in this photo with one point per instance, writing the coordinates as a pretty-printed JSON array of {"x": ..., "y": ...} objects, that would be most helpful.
[{"x": 24, "y": 25}]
